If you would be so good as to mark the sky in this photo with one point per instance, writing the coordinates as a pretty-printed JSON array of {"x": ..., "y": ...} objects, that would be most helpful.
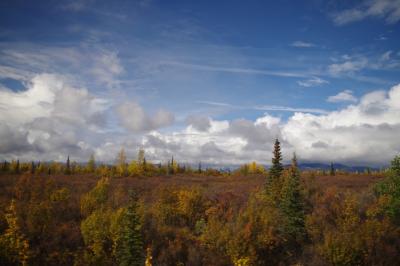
[{"x": 209, "y": 81}]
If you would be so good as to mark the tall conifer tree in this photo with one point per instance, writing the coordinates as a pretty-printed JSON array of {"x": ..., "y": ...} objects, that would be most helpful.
[
  {"x": 292, "y": 203},
  {"x": 68, "y": 167},
  {"x": 332, "y": 170},
  {"x": 130, "y": 246},
  {"x": 276, "y": 169}
]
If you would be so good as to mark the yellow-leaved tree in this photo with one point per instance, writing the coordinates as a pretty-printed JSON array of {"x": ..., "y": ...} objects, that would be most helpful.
[{"x": 14, "y": 247}]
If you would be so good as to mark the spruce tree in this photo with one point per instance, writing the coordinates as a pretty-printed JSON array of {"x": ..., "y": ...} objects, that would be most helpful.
[
  {"x": 390, "y": 187},
  {"x": 292, "y": 203},
  {"x": 17, "y": 167},
  {"x": 332, "y": 170},
  {"x": 276, "y": 169},
  {"x": 129, "y": 250},
  {"x": 144, "y": 166},
  {"x": 68, "y": 167},
  {"x": 32, "y": 168},
  {"x": 5, "y": 166},
  {"x": 172, "y": 165},
  {"x": 273, "y": 184}
]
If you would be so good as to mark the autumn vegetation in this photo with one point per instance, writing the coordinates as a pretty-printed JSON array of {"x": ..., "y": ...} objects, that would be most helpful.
[{"x": 141, "y": 213}]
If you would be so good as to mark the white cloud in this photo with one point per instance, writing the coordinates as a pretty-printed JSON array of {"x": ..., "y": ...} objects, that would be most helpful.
[
  {"x": 49, "y": 119},
  {"x": 352, "y": 66},
  {"x": 200, "y": 123},
  {"x": 389, "y": 10},
  {"x": 133, "y": 117},
  {"x": 312, "y": 82},
  {"x": 52, "y": 119},
  {"x": 49, "y": 96},
  {"x": 363, "y": 133},
  {"x": 344, "y": 96},
  {"x": 301, "y": 44},
  {"x": 349, "y": 66}
]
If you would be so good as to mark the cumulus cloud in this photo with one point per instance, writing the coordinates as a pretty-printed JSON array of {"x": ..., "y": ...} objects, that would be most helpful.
[
  {"x": 363, "y": 133},
  {"x": 49, "y": 118},
  {"x": 200, "y": 123},
  {"x": 50, "y": 96},
  {"x": 52, "y": 119},
  {"x": 133, "y": 117},
  {"x": 344, "y": 96},
  {"x": 389, "y": 10}
]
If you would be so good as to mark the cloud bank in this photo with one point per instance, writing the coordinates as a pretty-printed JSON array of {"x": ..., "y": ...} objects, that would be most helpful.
[
  {"x": 51, "y": 119},
  {"x": 363, "y": 133}
]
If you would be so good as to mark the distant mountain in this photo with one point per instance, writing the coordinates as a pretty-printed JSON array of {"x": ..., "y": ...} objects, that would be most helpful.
[
  {"x": 302, "y": 166},
  {"x": 337, "y": 166}
]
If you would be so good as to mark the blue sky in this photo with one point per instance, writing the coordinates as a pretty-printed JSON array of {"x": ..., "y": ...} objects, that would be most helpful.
[{"x": 192, "y": 78}]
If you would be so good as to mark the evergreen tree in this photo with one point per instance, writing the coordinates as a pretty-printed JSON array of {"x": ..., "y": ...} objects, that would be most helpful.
[
  {"x": 68, "y": 167},
  {"x": 5, "y": 166},
  {"x": 332, "y": 170},
  {"x": 144, "y": 166},
  {"x": 368, "y": 170},
  {"x": 276, "y": 169},
  {"x": 17, "y": 167},
  {"x": 172, "y": 165},
  {"x": 274, "y": 181},
  {"x": 390, "y": 188},
  {"x": 199, "y": 170},
  {"x": 129, "y": 248},
  {"x": 292, "y": 203},
  {"x": 32, "y": 168}
]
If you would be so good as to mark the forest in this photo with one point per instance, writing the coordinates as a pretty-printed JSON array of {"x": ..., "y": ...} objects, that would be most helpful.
[{"x": 140, "y": 213}]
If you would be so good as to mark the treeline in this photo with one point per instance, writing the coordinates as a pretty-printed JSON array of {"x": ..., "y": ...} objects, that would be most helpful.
[
  {"x": 121, "y": 168},
  {"x": 288, "y": 221},
  {"x": 142, "y": 167}
]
